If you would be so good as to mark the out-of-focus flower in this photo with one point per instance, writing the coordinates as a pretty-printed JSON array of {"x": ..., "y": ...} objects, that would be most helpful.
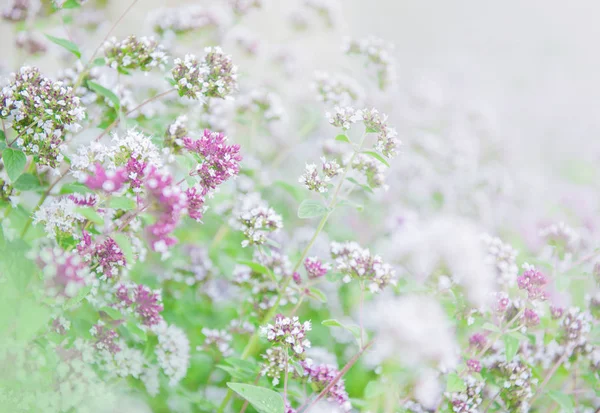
[
  {"x": 413, "y": 329},
  {"x": 337, "y": 90},
  {"x": 321, "y": 375},
  {"x": 172, "y": 351},
  {"x": 378, "y": 53}
]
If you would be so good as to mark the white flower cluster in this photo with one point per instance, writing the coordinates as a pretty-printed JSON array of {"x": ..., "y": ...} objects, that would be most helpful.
[
  {"x": 220, "y": 339},
  {"x": 132, "y": 53},
  {"x": 289, "y": 332},
  {"x": 468, "y": 400},
  {"x": 504, "y": 257},
  {"x": 372, "y": 169},
  {"x": 577, "y": 326},
  {"x": 41, "y": 112},
  {"x": 186, "y": 18},
  {"x": 59, "y": 216},
  {"x": 256, "y": 219},
  {"x": 273, "y": 364},
  {"x": 261, "y": 101},
  {"x": 313, "y": 181},
  {"x": 355, "y": 262},
  {"x": 172, "y": 351},
  {"x": 560, "y": 234},
  {"x": 337, "y": 89},
  {"x": 378, "y": 53},
  {"x": 214, "y": 76}
]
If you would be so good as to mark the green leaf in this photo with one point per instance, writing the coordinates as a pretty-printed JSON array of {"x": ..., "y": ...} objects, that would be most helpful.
[
  {"x": 70, "y": 46},
  {"x": 81, "y": 294},
  {"x": 311, "y": 209},
  {"x": 318, "y": 294},
  {"x": 491, "y": 327},
  {"x": 125, "y": 244},
  {"x": 346, "y": 202},
  {"x": 564, "y": 400},
  {"x": 354, "y": 329},
  {"x": 99, "y": 61},
  {"x": 112, "y": 313},
  {"x": 455, "y": 384},
  {"x": 14, "y": 162},
  {"x": 2, "y": 140},
  {"x": 262, "y": 399},
  {"x": 378, "y": 157},
  {"x": 90, "y": 215},
  {"x": 133, "y": 328},
  {"x": 75, "y": 187},
  {"x": 342, "y": 138},
  {"x": 293, "y": 190},
  {"x": 71, "y": 4},
  {"x": 511, "y": 346},
  {"x": 101, "y": 90},
  {"x": 365, "y": 187},
  {"x": 121, "y": 202},
  {"x": 259, "y": 268},
  {"x": 27, "y": 182}
]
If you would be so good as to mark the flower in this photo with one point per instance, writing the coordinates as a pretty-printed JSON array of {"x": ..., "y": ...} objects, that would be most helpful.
[
  {"x": 289, "y": 332},
  {"x": 146, "y": 303},
  {"x": 532, "y": 281},
  {"x": 107, "y": 257},
  {"x": 172, "y": 351},
  {"x": 218, "y": 162},
  {"x": 256, "y": 219},
  {"x": 105, "y": 338},
  {"x": 214, "y": 76},
  {"x": 42, "y": 111},
  {"x": 273, "y": 364},
  {"x": 220, "y": 339},
  {"x": 355, "y": 262},
  {"x": 59, "y": 217},
  {"x": 321, "y": 375},
  {"x": 315, "y": 268},
  {"x": 378, "y": 53},
  {"x": 108, "y": 181},
  {"x": 132, "y": 53},
  {"x": 64, "y": 273},
  {"x": 503, "y": 256},
  {"x": 337, "y": 89}
]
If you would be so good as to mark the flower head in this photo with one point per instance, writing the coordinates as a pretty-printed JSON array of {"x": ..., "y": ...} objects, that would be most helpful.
[{"x": 289, "y": 332}]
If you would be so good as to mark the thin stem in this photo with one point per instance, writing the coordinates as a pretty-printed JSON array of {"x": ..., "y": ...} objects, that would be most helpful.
[
  {"x": 337, "y": 378},
  {"x": 83, "y": 72},
  {"x": 254, "y": 339},
  {"x": 560, "y": 361},
  {"x": 20, "y": 134},
  {"x": 285, "y": 377},
  {"x": 360, "y": 314},
  {"x": 117, "y": 120},
  {"x": 298, "y": 304}
]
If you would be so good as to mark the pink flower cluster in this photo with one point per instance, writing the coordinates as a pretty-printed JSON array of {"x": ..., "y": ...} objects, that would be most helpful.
[
  {"x": 107, "y": 255},
  {"x": 171, "y": 202},
  {"x": 323, "y": 374},
  {"x": 108, "y": 181},
  {"x": 532, "y": 281},
  {"x": 315, "y": 268},
  {"x": 219, "y": 160},
  {"x": 146, "y": 303},
  {"x": 65, "y": 273},
  {"x": 105, "y": 338}
]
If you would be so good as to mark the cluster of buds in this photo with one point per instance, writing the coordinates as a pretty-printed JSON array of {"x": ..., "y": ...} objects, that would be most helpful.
[
  {"x": 355, "y": 262},
  {"x": 517, "y": 382},
  {"x": 468, "y": 400},
  {"x": 274, "y": 363},
  {"x": 577, "y": 326},
  {"x": 185, "y": 19},
  {"x": 147, "y": 304},
  {"x": 132, "y": 53},
  {"x": 315, "y": 268},
  {"x": 175, "y": 133},
  {"x": 105, "y": 338},
  {"x": 218, "y": 339},
  {"x": 257, "y": 220},
  {"x": 503, "y": 257},
  {"x": 218, "y": 161},
  {"x": 214, "y": 76},
  {"x": 387, "y": 142},
  {"x": 289, "y": 332},
  {"x": 533, "y": 282},
  {"x": 106, "y": 257},
  {"x": 378, "y": 53},
  {"x": 321, "y": 375},
  {"x": 313, "y": 181},
  {"x": 371, "y": 168},
  {"x": 337, "y": 89},
  {"x": 20, "y": 10},
  {"x": 243, "y": 7},
  {"x": 42, "y": 112}
]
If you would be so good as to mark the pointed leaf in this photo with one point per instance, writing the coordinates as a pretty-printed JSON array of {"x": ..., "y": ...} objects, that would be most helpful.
[
  {"x": 378, "y": 157},
  {"x": 67, "y": 44},
  {"x": 263, "y": 400},
  {"x": 14, "y": 162},
  {"x": 311, "y": 209}
]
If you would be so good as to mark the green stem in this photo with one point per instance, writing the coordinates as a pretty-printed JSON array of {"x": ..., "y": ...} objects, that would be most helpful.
[{"x": 249, "y": 349}]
